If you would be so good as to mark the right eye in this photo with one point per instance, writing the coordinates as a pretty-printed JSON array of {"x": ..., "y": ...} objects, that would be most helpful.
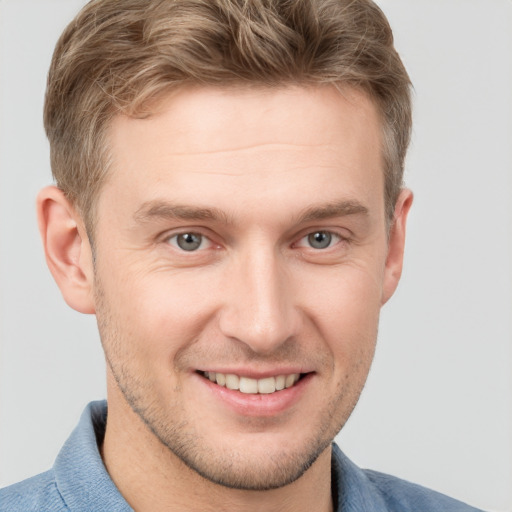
[{"x": 189, "y": 241}]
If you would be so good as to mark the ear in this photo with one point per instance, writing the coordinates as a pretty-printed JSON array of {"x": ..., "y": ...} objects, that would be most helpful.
[
  {"x": 67, "y": 248},
  {"x": 396, "y": 244}
]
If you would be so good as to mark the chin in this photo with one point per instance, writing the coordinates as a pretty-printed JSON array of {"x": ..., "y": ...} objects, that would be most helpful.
[{"x": 245, "y": 471}]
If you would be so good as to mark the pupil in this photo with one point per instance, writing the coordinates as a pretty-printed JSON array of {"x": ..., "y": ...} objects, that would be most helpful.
[
  {"x": 189, "y": 241},
  {"x": 320, "y": 240}
]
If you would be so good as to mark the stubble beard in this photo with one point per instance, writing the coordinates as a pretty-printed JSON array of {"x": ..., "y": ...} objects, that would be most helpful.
[{"x": 220, "y": 465}]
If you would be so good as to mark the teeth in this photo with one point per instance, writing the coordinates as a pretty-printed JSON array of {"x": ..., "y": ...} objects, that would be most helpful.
[
  {"x": 253, "y": 386},
  {"x": 248, "y": 385},
  {"x": 291, "y": 380},
  {"x": 267, "y": 385},
  {"x": 280, "y": 382},
  {"x": 232, "y": 381}
]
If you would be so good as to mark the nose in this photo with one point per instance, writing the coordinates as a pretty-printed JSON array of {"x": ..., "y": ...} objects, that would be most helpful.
[{"x": 260, "y": 307}]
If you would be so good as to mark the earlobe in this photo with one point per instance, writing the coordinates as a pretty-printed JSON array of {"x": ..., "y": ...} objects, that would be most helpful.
[
  {"x": 396, "y": 245},
  {"x": 67, "y": 248}
]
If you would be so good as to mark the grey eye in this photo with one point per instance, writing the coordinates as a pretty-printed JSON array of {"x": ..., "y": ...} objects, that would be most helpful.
[
  {"x": 320, "y": 239},
  {"x": 189, "y": 241}
]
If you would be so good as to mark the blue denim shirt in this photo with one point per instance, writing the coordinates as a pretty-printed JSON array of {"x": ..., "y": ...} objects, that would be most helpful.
[{"x": 79, "y": 482}]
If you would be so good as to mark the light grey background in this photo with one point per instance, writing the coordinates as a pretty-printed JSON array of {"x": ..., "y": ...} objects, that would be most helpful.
[{"x": 437, "y": 408}]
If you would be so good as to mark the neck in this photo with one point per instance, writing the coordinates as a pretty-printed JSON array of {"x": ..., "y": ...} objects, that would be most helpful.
[{"x": 151, "y": 478}]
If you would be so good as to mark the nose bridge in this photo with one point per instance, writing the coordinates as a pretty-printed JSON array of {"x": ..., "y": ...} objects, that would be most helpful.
[{"x": 260, "y": 310}]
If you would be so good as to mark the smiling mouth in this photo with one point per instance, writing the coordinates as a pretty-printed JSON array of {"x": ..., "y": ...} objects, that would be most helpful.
[{"x": 247, "y": 385}]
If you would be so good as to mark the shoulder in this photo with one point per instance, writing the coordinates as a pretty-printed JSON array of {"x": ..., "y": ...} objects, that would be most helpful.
[
  {"x": 401, "y": 495},
  {"x": 34, "y": 494},
  {"x": 363, "y": 489}
]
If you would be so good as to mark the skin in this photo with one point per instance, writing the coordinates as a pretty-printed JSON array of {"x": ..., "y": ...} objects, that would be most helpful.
[{"x": 252, "y": 172}]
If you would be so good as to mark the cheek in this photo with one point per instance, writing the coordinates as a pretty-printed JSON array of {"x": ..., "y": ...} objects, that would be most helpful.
[
  {"x": 347, "y": 297},
  {"x": 345, "y": 312},
  {"x": 157, "y": 313}
]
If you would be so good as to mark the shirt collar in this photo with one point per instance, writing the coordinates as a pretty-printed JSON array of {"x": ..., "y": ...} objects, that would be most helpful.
[
  {"x": 81, "y": 477},
  {"x": 84, "y": 483},
  {"x": 351, "y": 489}
]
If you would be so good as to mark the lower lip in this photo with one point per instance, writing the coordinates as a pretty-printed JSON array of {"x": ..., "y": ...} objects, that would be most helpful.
[{"x": 262, "y": 405}]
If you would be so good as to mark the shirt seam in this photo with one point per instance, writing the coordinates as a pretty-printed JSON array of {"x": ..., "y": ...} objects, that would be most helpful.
[{"x": 60, "y": 495}]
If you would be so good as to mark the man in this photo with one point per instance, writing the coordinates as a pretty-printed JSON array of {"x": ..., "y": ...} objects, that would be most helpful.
[{"x": 229, "y": 204}]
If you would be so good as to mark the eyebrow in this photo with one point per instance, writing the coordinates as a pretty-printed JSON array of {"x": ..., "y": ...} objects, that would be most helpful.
[
  {"x": 331, "y": 210},
  {"x": 159, "y": 209},
  {"x": 164, "y": 210}
]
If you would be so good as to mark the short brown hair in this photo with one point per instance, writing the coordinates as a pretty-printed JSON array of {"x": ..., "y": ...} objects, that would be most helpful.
[{"x": 117, "y": 55}]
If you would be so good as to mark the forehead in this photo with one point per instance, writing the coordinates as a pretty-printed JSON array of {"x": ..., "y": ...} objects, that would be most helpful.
[
  {"x": 253, "y": 114},
  {"x": 207, "y": 142}
]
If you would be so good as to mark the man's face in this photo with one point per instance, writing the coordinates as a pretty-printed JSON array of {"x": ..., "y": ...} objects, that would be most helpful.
[{"x": 241, "y": 238}]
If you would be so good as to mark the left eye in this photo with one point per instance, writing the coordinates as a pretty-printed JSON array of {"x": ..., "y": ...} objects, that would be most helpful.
[
  {"x": 189, "y": 241},
  {"x": 320, "y": 240}
]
